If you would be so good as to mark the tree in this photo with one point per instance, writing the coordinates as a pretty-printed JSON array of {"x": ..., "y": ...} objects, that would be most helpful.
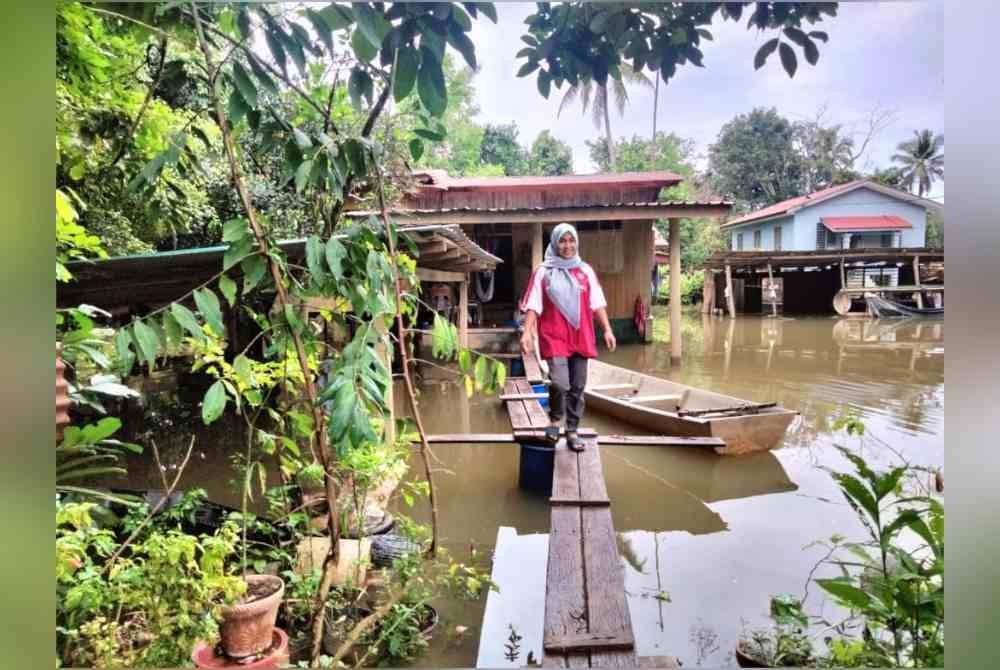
[
  {"x": 500, "y": 147},
  {"x": 935, "y": 228},
  {"x": 754, "y": 160},
  {"x": 550, "y": 156},
  {"x": 891, "y": 176},
  {"x": 601, "y": 113},
  {"x": 830, "y": 152},
  {"x": 666, "y": 151},
  {"x": 922, "y": 160}
]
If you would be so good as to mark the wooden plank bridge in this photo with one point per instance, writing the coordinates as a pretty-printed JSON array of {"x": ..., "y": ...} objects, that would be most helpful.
[{"x": 587, "y": 622}]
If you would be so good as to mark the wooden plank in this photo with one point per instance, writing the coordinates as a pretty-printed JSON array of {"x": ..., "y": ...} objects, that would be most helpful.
[
  {"x": 538, "y": 433},
  {"x": 523, "y": 396},
  {"x": 429, "y": 275},
  {"x": 587, "y": 642},
  {"x": 532, "y": 370},
  {"x": 536, "y": 413},
  {"x": 561, "y": 214},
  {"x": 604, "y": 576},
  {"x": 527, "y": 435},
  {"x": 565, "y": 607},
  {"x": 472, "y": 438},
  {"x": 676, "y": 397},
  {"x": 580, "y": 502},
  {"x": 515, "y": 409}
]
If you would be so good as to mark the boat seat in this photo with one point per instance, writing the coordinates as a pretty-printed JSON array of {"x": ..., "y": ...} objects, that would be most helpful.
[{"x": 666, "y": 397}]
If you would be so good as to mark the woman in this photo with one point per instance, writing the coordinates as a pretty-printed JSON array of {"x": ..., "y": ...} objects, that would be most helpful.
[{"x": 561, "y": 300}]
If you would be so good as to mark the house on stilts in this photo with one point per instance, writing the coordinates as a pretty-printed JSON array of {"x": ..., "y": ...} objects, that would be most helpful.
[{"x": 822, "y": 252}]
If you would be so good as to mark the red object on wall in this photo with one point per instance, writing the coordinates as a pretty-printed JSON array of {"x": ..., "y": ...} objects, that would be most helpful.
[{"x": 639, "y": 317}]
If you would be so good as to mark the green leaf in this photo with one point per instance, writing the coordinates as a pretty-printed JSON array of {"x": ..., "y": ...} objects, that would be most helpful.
[
  {"x": 336, "y": 16},
  {"x": 228, "y": 289},
  {"x": 405, "y": 75},
  {"x": 358, "y": 85},
  {"x": 254, "y": 268},
  {"x": 599, "y": 22},
  {"x": 544, "y": 83},
  {"x": 148, "y": 344},
  {"x": 245, "y": 84},
  {"x": 234, "y": 229},
  {"x": 123, "y": 349},
  {"x": 363, "y": 49},
  {"x": 428, "y": 134},
  {"x": 302, "y": 140},
  {"x": 302, "y": 175},
  {"x": 214, "y": 402},
  {"x": 416, "y": 149},
  {"x": 314, "y": 259},
  {"x": 763, "y": 52},
  {"x": 853, "y": 489},
  {"x": 463, "y": 45},
  {"x": 499, "y": 375},
  {"x": 488, "y": 9},
  {"x": 277, "y": 50},
  {"x": 527, "y": 68},
  {"x": 430, "y": 83},
  {"x": 322, "y": 29},
  {"x": 237, "y": 251},
  {"x": 172, "y": 330},
  {"x": 243, "y": 23},
  {"x": 819, "y": 35},
  {"x": 106, "y": 427},
  {"x": 208, "y": 305},
  {"x": 795, "y": 35},
  {"x": 470, "y": 386},
  {"x": 851, "y": 596},
  {"x": 464, "y": 360},
  {"x": 371, "y": 24},
  {"x": 237, "y": 108},
  {"x": 186, "y": 318},
  {"x": 335, "y": 254},
  {"x": 149, "y": 172},
  {"x": 264, "y": 78},
  {"x": 812, "y": 53},
  {"x": 788, "y": 60},
  {"x": 481, "y": 372}
]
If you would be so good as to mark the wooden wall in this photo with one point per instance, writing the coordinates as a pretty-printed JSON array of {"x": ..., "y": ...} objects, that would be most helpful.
[{"x": 527, "y": 198}]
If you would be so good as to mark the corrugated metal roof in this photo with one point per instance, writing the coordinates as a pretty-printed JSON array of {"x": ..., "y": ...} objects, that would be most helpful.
[
  {"x": 441, "y": 180},
  {"x": 846, "y": 224},
  {"x": 794, "y": 204},
  {"x": 445, "y": 210}
]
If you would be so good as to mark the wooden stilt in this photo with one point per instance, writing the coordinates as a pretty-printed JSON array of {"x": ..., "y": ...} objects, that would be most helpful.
[
  {"x": 675, "y": 292},
  {"x": 729, "y": 292},
  {"x": 774, "y": 293},
  {"x": 463, "y": 313},
  {"x": 916, "y": 281}
]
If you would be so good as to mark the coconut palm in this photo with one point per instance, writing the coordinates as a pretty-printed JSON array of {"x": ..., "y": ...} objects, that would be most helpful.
[
  {"x": 600, "y": 112},
  {"x": 922, "y": 160}
]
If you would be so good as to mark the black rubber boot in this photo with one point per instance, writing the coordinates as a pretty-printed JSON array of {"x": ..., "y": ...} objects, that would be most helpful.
[{"x": 552, "y": 434}]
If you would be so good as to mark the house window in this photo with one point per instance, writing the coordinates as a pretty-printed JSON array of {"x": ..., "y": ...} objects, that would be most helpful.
[
  {"x": 887, "y": 239},
  {"x": 820, "y": 236},
  {"x": 739, "y": 241},
  {"x": 777, "y": 238},
  {"x": 756, "y": 239}
]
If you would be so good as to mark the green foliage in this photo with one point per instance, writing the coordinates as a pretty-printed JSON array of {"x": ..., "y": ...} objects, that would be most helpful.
[
  {"x": 786, "y": 644},
  {"x": 550, "y": 156},
  {"x": 578, "y": 41},
  {"x": 150, "y": 607},
  {"x": 754, "y": 160},
  {"x": 72, "y": 240},
  {"x": 921, "y": 160},
  {"x": 499, "y": 146},
  {"x": 691, "y": 287},
  {"x": 90, "y": 451}
]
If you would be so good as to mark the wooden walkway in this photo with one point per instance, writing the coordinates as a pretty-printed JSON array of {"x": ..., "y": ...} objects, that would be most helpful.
[{"x": 587, "y": 622}]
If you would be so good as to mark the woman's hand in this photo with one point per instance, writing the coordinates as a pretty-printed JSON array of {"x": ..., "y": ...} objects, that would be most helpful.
[
  {"x": 526, "y": 343},
  {"x": 609, "y": 340}
]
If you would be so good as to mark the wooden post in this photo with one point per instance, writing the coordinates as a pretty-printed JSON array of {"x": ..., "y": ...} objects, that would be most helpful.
[
  {"x": 463, "y": 313},
  {"x": 675, "y": 292},
  {"x": 843, "y": 274},
  {"x": 536, "y": 245},
  {"x": 916, "y": 281},
  {"x": 708, "y": 292},
  {"x": 729, "y": 292},
  {"x": 774, "y": 292}
]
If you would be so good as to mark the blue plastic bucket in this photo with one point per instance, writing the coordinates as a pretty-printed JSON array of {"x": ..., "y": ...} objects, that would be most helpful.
[
  {"x": 537, "y": 465},
  {"x": 541, "y": 388}
]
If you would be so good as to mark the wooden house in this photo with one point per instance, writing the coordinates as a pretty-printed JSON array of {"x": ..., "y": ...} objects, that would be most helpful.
[{"x": 512, "y": 217}]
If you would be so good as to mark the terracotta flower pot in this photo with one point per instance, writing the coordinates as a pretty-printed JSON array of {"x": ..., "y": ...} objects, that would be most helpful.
[
  {"x": 746, "y": 660},
  {"x": 248, "y": 627},
  {"x": 62, "y": 395}
]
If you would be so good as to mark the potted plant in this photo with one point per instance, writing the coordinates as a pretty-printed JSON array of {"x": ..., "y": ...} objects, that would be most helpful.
[
  {"x": 248, "y": 626},
  {"x": 785, "y": 644}
]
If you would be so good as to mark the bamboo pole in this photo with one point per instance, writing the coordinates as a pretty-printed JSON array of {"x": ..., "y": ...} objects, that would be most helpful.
[{"x": 675, "y": 292}]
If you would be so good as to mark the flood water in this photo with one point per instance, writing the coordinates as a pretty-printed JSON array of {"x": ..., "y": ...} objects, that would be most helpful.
[{"x": 714, "y": 537}]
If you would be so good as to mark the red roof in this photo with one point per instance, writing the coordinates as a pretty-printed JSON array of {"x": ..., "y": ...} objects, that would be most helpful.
[
  {"x": 439, "y": 179},
  {"x": 844, "y": 224},
  {"x": 784, "y": 206}
]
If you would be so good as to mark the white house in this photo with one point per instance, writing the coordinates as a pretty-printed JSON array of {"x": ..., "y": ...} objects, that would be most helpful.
[{"x": 858, "y": 215}]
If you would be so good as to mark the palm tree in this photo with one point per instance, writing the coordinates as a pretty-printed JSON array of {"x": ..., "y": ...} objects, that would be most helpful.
[
  {"x": 600, "y": 113},
  {"x": 922, "y": 160}
]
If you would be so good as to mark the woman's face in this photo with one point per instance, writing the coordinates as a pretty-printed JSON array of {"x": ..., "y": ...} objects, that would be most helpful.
[{"x": 567, "y": 246}]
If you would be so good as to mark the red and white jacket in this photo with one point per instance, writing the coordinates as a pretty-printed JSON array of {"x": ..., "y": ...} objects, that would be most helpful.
[{"x": 556, "y": 337}]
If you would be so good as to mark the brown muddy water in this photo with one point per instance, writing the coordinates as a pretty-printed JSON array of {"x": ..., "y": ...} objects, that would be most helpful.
[{"x": 706, "y": 540}]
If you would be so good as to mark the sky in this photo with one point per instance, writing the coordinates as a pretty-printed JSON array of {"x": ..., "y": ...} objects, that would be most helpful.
[{"x": 885, "y": 55}]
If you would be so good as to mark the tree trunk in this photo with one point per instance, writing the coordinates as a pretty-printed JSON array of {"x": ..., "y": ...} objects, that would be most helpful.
[
  {"x": 656, "y": 100},
  {"x": 612, "y": 162}
]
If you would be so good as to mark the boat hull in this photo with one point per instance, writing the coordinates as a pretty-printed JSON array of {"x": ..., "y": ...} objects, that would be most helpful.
[{"x": 746, "y": 433}]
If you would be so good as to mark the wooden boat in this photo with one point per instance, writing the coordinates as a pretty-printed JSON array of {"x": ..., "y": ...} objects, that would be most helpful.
[{"x": 669, "y": 408}]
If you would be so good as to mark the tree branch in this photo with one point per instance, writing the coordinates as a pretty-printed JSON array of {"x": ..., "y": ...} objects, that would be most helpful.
[{"x": 145, "y": 103}]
